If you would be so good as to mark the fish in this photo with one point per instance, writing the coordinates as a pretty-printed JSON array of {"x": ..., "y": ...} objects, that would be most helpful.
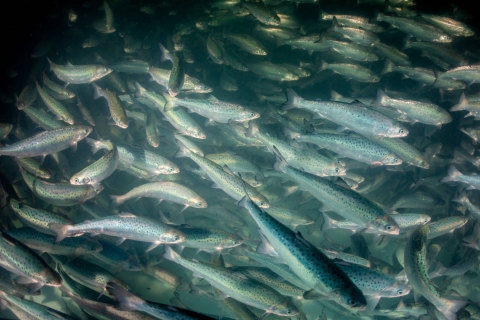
[
  {"x": 473, "y": 181},
  {"x": 27, "y": 97},
  {"x": 47, "y": 142},
  {"x": 79, "y": 74},
  {"x": 241, "y": 289},
  {"x": 55, "y": 106},
  {"x": 168, "y": 191},
  {"x": 117, "y": 112},
  {"x": 177, "y": 75},
  {"x": 123, "y": 226},
  {"x": 415, "y": 268}
]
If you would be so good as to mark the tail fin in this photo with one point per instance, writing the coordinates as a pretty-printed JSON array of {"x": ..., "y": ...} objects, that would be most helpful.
[
  {"x": 449, "y": 308},
  {"x": 95, "y": 145},
  {"x": 388, "y": 67},
  {"x": 281, "y": 163},
  {"x": 461, "y": 198},
  {"x": 126, "y": 301},
  {"x": 328, "y": 223},
  {"x": 323, "y": 65},
  {"x": 469, "y": 241},
  {"x": 252, "y": 129},
  {"x": 378, "y": 16},
  {"x": 61, "y": 230},
  {"x": 170, "y": 254},
  {"x": 292, "y": 99},
  {"x": 461, "y": 103},
  {"x": 96, "y": 91},
  {"x": 51, "y": 64},
  {"x": 140, "y": 90},
  {"x": 116, "y": 201},
  {"x": 453, "y": 173},
  {"x": 381, "y": 99},
  {"x": 438, "y": 271},
  {"x": 166, "y": 55},
  {"x": 184, "y": 151}
]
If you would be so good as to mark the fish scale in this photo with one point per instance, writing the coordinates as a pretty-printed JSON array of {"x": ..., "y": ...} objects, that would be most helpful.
[
  {"x": 55, "y": 106},
  {"x": 209, "y": 239},
  {"x": 80, "y": 73}
]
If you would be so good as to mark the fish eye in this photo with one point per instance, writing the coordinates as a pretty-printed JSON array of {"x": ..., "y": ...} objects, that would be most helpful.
[
  {"x": 262, "y": 203},
  {"x": 199, "y": 204},
  {"x": 252, "y": 114},
  {"x": 336, "y": 170},
  {"x": 400, "y": 291},
  {"x": 351, "y": 302},
  {"x": 76, "y": 180},
  {"x": 395, "y": 160},
  {"x": 401, "y": 131},
  {"x": 388, "y": 227}
]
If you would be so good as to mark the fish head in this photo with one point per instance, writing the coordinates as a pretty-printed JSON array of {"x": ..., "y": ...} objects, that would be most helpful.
[
  {"x": 102, "y": 71},
  {"x": 43, "y": 173},
  {"x": 89, "y": 246},
  {"x": 202, "y": 88},
  {"x": 391, "y": 160},
  {"x": 396, "y": 131},
  {"x": 82, "y": 132},
  {"x": 51, "y": 278},
  {"x": 231, "y": 241},
  {"x": 350, "y": 297},
  {"x": 197, "y": 202},
  {"x": 386, "y": 225},
  {"x": 398, "y": 289},
  {"x": 259, "y": 52},
  {"x": 172, "y": 236},
  {"x": 422, "y": 163},
  {"x": 290, "y": 77},
  {"x": 261, "y": 201},
  {"x": 132, "y": 264},
  {"x": 286, "y": 309},
  {"x": 196, "y": 133},
  {"x": 334, "y": 169},
  {"x": 170, "y": 168},
  {"x": 445, "y": 38},
  {"x": 79, "y": 180},
  {"x": 249, "y": 115}
]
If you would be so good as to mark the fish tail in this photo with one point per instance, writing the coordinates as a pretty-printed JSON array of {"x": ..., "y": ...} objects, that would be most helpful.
[
  {"x": 328, "y": 223},
  {"x": 281, "y": 163},
  {"x": 50, "y": 63},
  {"x": 126, "y": 301},
  {"x": 170, "y": 254},
  {"x": 94, "y": 145},
  {"x": 438, "y": 271},
  {"x": 252, "y": 129},
  {"x": 449, "y": 308},
  {"x": 323, "y": 65},
  {"x": 184, "y": 151},
  {"x": 166, "y": 55},
  {"x": 381, "y": 97},
  {"x": 461, "y": 103},
  {"x": 453, "y": 173},
  {"x": 378, "y": 16},
  {"x": 96, "y": 91},
  {"x": 115, "y": 201},
  {"x": 61, "y": 230},
  {"x": 292, "y": 99},
  {"x": 461, "y": 198},
  {"x": 388, "y": 67},
  {"x": 140, "y": 90}
]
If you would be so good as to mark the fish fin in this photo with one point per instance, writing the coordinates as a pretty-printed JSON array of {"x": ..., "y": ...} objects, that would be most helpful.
[
  {"x": 438, "y": 271},
  {"x": 452, "y": 174},
  {"x": 280, "y": 162},
  {"x": 449, "y": 308},
  {"x": 184, "y": 151},
  {"x": 292, "y": 100},
  {"x": 96, "y": 91},
  {"x": 380, "y": 100},
  {"x": 73, "y": 147},
  {"x": 461, "y": 103},
  {"x": 61, "y": 230},
  {"x": 68, "y": 64},
  {"x": 313, "y": 295},
  {"x": 209, "y": 123},
  {"x": 126, "y": 301},
  {"x": 372, "y": 302},
  {"x": 119, "y": 241},
  {"x": 115, "y": 201},
  {"x": 166, "y": 55},
  {"x": 152, "y": 246},
  {"x": 388, "y": 67},
  {"x": 328, "y": 223}
]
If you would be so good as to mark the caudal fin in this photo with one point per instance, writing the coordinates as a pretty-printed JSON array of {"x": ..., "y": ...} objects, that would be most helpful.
[
  {"x": 115, "y": 201},
  {"x": 126, "y": 301},
  {"x": 461, "y": 103},
  {"x": 61, "y": 230},
  {"x": 50, "y": 63},
  {"x": 96, "y": 91},
  {"x": 388, "y": 67},
  {"x": 166, "y": 55},
  {"x": 184, "y": 151},
  {"x": 453, "y": 175},
  {"x": 281, "y": 163},
  {"x": 328, "y": 223},
  {"x": 95, "y": 145},
  {"x": 461, "y": 198},
  {"x": 170, "y": 254},
  {"x": 140, "y": 90},
  {"x": 449, "y": 308},
  {"x": 381, "y": 99},
  {"x": 292, "y": 100}
]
